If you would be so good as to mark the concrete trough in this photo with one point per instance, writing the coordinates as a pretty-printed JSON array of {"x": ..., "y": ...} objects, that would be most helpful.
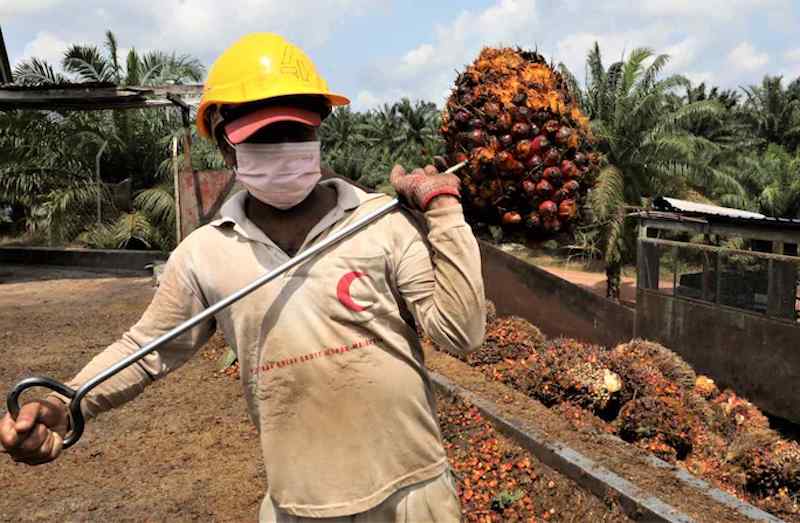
[
  {"x": 97, "y": 259},
  {"x": 597, "y": 479}
]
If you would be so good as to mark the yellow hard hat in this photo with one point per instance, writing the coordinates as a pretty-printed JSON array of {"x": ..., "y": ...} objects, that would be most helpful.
[{"x": 257, "y": 67}]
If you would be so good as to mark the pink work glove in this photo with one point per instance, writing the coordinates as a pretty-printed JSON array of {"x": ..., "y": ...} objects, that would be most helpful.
[{"x": 423, "y": 185}]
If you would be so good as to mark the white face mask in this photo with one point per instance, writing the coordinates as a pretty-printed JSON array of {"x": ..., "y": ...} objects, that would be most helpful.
[{"x": 279, "y": 174}]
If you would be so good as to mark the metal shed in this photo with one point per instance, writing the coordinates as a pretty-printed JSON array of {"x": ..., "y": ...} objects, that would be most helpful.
[{"x": 722, "y": 291}]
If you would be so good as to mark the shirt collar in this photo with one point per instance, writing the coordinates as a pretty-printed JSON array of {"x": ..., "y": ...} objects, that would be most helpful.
[{"x": 348, "y": 196}]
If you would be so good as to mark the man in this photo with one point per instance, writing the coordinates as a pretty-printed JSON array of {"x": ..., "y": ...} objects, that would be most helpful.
[{"x": 331, "y": 364}]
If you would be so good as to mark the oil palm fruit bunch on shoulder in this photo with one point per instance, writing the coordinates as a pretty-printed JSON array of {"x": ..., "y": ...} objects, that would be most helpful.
[{"x": 529, "y": 148}]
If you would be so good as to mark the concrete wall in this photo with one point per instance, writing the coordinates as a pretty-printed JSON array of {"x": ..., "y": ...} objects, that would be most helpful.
[
  {"x": 115, "y": 260},
  {"x": 756, "y": 356},
  {"x": 556, "y": 306}
]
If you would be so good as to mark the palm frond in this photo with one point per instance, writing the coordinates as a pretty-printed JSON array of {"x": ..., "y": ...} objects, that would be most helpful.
[
  {"x": 36, "y": 71},
  {"x": 608, "y": 194}
]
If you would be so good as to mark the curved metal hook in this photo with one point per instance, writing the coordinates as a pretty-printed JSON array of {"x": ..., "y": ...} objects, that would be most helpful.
[{"x": 76, "y": 416}]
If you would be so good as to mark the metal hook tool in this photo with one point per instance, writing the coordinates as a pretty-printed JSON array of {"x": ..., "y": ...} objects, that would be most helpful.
[{"x": 76, "y": 396}]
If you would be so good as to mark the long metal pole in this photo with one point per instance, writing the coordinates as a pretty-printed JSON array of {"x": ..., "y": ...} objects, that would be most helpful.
[
  {"x": 99, "y": 182},
  {"x": 76, "y": 396}
]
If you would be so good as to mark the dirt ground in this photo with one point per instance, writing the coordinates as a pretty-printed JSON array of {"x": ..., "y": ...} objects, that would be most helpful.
[{"x": 184, "y": 450}]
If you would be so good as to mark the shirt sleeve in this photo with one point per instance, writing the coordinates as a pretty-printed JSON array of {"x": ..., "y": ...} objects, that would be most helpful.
[
  {"x": 174, "y": 302},
  {"x": 439, "y": 278}
]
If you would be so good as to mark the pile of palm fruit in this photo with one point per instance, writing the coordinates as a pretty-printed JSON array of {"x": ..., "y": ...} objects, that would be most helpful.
[
  {"x": 652, "y": 398},
  {"x": 528, "y": 146}
]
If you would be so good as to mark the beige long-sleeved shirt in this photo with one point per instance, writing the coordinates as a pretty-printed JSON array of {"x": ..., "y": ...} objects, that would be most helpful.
[{"x": 333, "y": 374}]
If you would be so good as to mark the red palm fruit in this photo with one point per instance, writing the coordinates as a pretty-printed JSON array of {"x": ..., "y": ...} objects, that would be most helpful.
[
  {"x": 534, "y": 129},
  {"x": 568, "y": 169},
  {"x": 551, "y": 224},
  {"x": 533, "y": 220},
  {"x": 493, "y": 143},
  {"x": 529, "y": 187},
  {"x": 519, "y": 99},
  {"x": 476, "y": 123},
  {"x": 563, "y": 135},
  {"x": 571, "y": 187},
  {"x": 504, "y": 122},
  {"x": 523, "y": 149},
  {"x": 506, "y": 140},
  {"x": 462, "y": 117},
  {"x": 552, "y": 175},
  {"x": 548, "y": 209},
  {"x": 484, "y": 155},
  {"x": 559, "y": 196},
  {"x": 503, "y": 160},
  {"x": 534, "y": 162},
  {"x": 516, "y": 167},
  {"x": 581, "y": 160},
  {"x": 507, "y": 164},
  {"x": 511, "y": 218},
  {"x": 491, "y": 109},
  {"x": 523, "y": 114},
  {"x": 551, "y": 127},
  {"x": 567, "y": 209},
  {"x": 544, "y": 188},
  {"x": 477, "y": 136},
  {"x": 540, "y": 143},
  {"x": 521, "y": 130},
  {"x": 552, "y": 157}
]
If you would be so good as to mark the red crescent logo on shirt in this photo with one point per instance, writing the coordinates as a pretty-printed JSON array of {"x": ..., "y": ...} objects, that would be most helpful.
[{"x": 343, "y": 291}]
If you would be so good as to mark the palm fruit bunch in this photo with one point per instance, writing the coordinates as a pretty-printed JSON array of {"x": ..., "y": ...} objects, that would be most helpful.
[
  {"x": 528, "y": 146},
  {"x": 563, "y": 370},
  {"x": 509, "y": 338}
]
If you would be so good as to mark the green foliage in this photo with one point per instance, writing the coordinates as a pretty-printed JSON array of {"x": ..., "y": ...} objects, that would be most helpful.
[
  {"x": 506, "y": 498},
  {"x": 365, "y": 146},
  {"x": 47, "y": 159}
]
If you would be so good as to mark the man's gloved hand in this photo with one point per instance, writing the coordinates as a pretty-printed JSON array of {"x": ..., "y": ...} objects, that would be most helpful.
[
  {"x": 421, "y": 186},
  {"x": 37, "y": 435}
]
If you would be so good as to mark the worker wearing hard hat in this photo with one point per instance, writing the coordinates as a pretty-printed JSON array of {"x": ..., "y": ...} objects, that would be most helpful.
[{"x": 331, "y": 363}]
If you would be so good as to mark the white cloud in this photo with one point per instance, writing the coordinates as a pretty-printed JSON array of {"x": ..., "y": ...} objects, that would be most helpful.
[
  {"x": 427, "y": 70},
  {"x": 704, "y": 9},
  {"x": 682, "y": 54},
  {"x": 204, "y": 27},
  {"x": 744, "y": 57},
  {"x": 792, "y": 55},
  {"x": 419, "y": 56},
  {"x": 698, "y": 77},
  {"x": 46, "y": 46},
  {"x": 12, "y": 8}
]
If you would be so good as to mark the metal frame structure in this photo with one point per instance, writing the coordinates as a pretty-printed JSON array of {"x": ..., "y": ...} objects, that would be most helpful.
[
  {"x": 782, "y": 235},
  {"x": 104, "y": 96}
]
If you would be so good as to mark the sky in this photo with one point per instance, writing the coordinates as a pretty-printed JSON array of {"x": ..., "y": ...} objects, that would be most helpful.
[{"x": 377, "y": 51}]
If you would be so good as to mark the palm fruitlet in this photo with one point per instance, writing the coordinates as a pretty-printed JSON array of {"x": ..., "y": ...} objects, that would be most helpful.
[{"x": 530, "y": 152}]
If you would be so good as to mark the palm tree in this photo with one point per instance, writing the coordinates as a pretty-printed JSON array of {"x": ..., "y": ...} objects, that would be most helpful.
[
  {"x": 772, "y": 182},
  {"x": 643, "y": 131},
  {"x": 60, "y": 175},
  {"x": 773, "y": 112}
]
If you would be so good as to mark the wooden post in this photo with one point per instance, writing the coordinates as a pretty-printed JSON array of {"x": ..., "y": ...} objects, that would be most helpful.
[
  {"x": 782, "y": 286},
  {"x": 176, "y": 183}
]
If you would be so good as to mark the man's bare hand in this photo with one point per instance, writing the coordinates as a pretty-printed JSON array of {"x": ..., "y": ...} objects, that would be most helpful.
[{"x": 37, "y": 435}]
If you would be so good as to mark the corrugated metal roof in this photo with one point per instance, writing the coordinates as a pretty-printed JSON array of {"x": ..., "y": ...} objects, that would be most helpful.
[
  {"x": 728, "y": 214},
  {"x": 673, "y": 204},
  {"x": 92, "y": 96}
]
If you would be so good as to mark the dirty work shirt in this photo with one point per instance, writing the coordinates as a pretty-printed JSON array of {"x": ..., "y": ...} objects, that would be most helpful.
[{"x": 333, "y": 374}]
